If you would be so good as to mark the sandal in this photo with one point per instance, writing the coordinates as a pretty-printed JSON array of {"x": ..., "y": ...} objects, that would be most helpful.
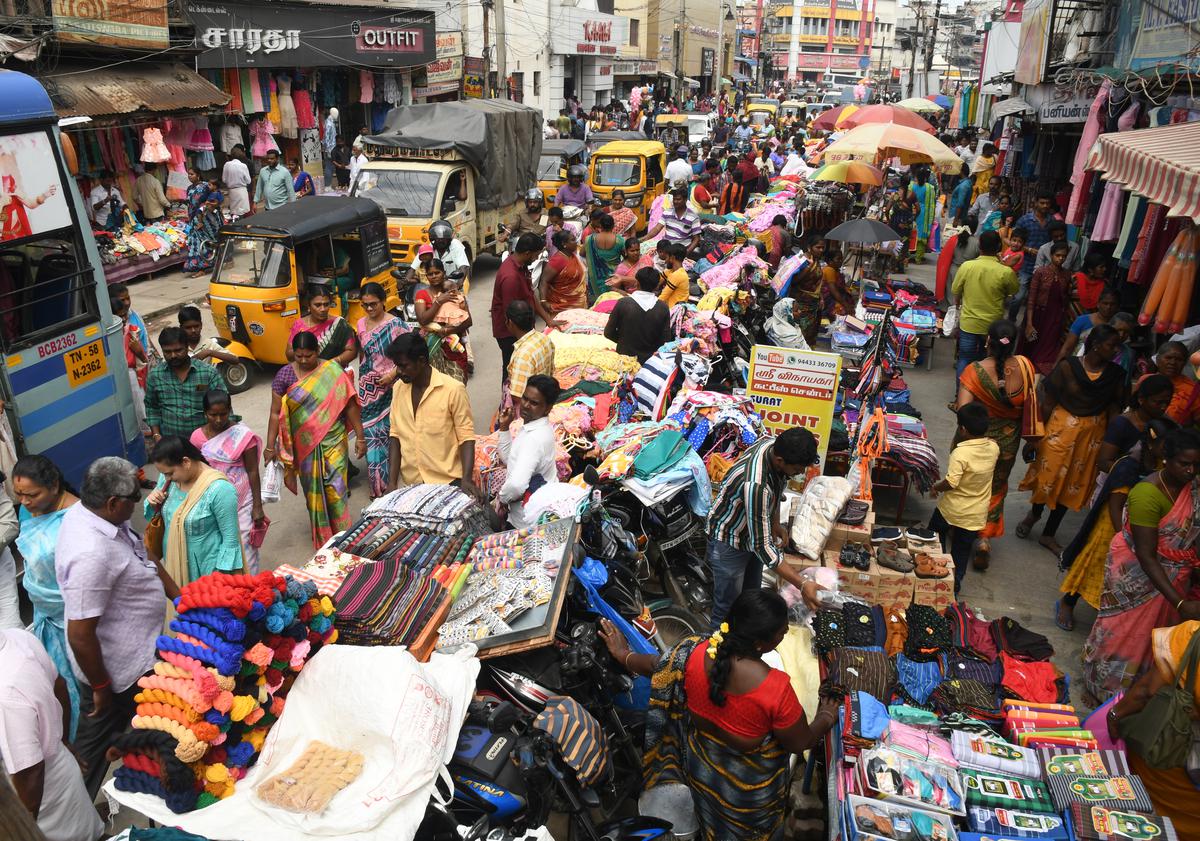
[
  {"x": 930, "y": 567},
  {"x": 983, "y": 556},
  {"x": 1065, "y": 625},
  {"x": 890, "y": 558},
  {"x": 1026, "y": 526}
]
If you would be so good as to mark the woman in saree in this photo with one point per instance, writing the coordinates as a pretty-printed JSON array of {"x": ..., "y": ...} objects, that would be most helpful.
[
  {"x": 1079, "y": 397},
  {"x": 779, "y": 241},
  {"x": 1149, "y": 402},
  {"x": 1085, "y": 558},
  {"x": 1106, "y": 307},
  {"x": 835, "y": 297},
  {"x": 564, "y": 282},
  {"x": 922, "y": 197},
  {"x": 376, "y": 375},
  {"x": 602, "y": 251},
  {"x": 204, "y": 221},
  {"x": 444, "y": 317},
  {"x": 1149, "y": 579},
  {"x": 723, "y": 723},
  {"x": 783, "y": 325},
  {"x": 312, "y": 402},
  {"x": 624, "y": 219},
  {"x": 199, "y": 509},
  {"x": 1004, "y": 383},
  {"x": 1171, "y": 790},
  {"x": 335, "y": 337},
  {"x": 234, "y": 449},
  {"x": 1184, "y": 407},
  {"x": 624, "y": 278},
  {"x": 1046, "y": 311},
  {"x": 806, "y": 286},
  {"x": 44, "y": 497}
]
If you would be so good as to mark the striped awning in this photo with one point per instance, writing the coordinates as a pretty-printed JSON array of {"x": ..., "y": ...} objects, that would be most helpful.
[{"x": 1161, "y": 164}]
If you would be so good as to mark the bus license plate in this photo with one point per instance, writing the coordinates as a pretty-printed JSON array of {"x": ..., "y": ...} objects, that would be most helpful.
[{"x": 86, "y": 363}]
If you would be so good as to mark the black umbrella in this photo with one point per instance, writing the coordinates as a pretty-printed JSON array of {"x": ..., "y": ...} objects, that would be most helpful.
[{"x": 863, "y": 230}]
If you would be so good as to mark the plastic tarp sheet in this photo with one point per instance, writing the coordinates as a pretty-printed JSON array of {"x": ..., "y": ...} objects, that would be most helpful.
[
  {"x": 502, "y": 140},
  {"x": 401, "y": 715}
]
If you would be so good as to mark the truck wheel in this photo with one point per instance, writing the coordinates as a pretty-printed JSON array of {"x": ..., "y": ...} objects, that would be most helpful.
[{"x": 236, "y": 375}]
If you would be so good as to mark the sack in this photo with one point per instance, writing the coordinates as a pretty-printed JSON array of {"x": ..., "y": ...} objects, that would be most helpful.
[
  {"x": 950, "y": 321},
  {"x": 272, "y": 481},
  {"x": 156, "y": 531},
  {"x": 1161, "y": 733}
]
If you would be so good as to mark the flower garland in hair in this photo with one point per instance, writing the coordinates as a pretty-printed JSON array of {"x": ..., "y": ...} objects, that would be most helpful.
[{"x": 718, "y": 637}]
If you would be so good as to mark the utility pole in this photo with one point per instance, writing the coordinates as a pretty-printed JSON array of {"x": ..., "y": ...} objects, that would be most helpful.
[
  {"x": 915, "y": 38},
  {"x": 931, "y": 42},
  {"x": 501, "y": 55},
  {"x": 487, "y": 53}
]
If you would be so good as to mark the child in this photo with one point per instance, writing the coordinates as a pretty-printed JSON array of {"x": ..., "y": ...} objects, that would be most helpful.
[
  {"x": 119, "y": 291},
  {"x": 1090, "y": 282},
  {"x": 966, "y": 488},
  {"x": 189, "y": 321},
  {"x": 676, "y": 285},
  {"x": 662, "y": 251},
  {"x": 1014, "y": 251},
  {"x": 135, "y": 359}
]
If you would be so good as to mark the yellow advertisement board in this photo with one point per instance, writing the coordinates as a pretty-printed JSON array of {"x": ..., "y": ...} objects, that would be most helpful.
[{"x": 795, "y": 388}]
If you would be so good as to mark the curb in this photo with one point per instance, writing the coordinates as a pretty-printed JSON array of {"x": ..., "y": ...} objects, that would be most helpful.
[{"x": 171, "y": 308}]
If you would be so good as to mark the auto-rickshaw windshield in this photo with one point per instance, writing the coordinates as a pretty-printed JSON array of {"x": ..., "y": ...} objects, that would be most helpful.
[
  {"x": 550, "y": 168},
  {"x": 247, "y": 261},
  {"x": 400, "y": 192},
  {"x": 618, "y": 172},
  {"x": 759, "y": 118}
]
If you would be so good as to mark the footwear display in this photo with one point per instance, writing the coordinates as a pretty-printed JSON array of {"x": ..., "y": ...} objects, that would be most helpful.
[
  {"x": 883, "y": 534},
  {"x": 855, "y": 512},
  {"x": 892, "y": 558},
  {"x": 928, "y": 566}
]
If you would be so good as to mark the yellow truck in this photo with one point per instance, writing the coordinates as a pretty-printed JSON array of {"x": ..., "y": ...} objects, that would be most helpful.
[{"x": 468, "y": 162}]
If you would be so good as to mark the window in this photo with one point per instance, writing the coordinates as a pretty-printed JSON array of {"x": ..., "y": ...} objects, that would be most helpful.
[
  {"x": 47, "y": 289},
  {"x": 634, "y": 33},
  {"x": 253, "y": 262},
  {"x": 618, "y": 172},
  {"x": 400, "y": 193},
  {"x": 537, "y": 82}
]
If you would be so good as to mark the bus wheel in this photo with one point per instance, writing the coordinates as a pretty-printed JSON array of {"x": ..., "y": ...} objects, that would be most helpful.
[{"x": 237, "y": 376}]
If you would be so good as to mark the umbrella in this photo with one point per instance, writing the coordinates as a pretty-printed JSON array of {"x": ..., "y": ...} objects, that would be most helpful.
[
  {"x": 874, "y": 141},
  {"x": 922, "y": 106},
  {"x": 863, "y": 230},
  {"x": 886, "y": 114},
  {"x": 939, "y": 99},
  {"x": 849, "y": 172},
  {"x": 832, "y": 118}
]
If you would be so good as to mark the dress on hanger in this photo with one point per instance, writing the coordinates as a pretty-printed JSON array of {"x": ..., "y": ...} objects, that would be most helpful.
[
  {"x": 306, "y": 118},
  {"x": 1108, "y": 217},
  {"x": 229, "y": 136},
  {"x": 288, "y": 125},
  {"x": 201, "y": 138},
  {"x": 261, "y": 131},
  {"x": 1081, "y": 177},
  {"x": 366, "y": 84},
  {"x": 153, "y": 148}
]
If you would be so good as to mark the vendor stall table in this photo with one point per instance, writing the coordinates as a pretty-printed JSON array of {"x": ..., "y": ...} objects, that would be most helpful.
[{"x": 126, "y": 270}]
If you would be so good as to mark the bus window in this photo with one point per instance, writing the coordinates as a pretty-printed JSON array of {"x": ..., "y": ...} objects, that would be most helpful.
[{"x": 44, "y": 289}]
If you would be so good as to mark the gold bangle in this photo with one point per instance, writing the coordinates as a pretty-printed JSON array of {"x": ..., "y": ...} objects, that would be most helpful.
[
  {"x": 1179, "y": 604},
  {"x": 626, "y": 660}
]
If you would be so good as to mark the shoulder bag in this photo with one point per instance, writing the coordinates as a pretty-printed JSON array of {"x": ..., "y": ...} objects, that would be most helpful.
[
  {"x": 1161, "y": 733},
  {"x": 156, "y": 530}
]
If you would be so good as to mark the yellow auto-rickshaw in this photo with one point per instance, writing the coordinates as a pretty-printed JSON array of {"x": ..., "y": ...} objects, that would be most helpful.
[
  {"x": 671, "y": 130},
  {"x": 793, "y": 109},
  {"x": 557, "y": 157},
  {"x": 264, "y": 262},
  {"x": 636, "y": 166},
  {"x": 760, "y": 114}
]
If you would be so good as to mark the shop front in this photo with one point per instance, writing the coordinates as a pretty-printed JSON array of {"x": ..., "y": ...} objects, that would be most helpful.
[
  {"x": 632, "y": 73},
  {"x": 583, "y": 48},
  {"x": 285, "y": 80}
]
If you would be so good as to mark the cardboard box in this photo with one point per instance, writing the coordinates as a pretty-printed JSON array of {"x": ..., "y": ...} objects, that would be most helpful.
[
  {"x": 843, "y": 534},
  {"x": 938, "y": 593},
  {"x": 892, "y": 589},
  {"x": 854, "y": 582},
  {"x": 799, "y": 562}
]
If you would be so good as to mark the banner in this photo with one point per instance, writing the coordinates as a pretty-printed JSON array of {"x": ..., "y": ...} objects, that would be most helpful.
[
  {"x": 444, "y": 70},
  {"x": 140, "y": 24},
  {"x": 449, "y": 44},
  {"x": 795, "y": 388},
  {"x": 1034, "y": 41},
  {"x": 1166, "y": 34}
]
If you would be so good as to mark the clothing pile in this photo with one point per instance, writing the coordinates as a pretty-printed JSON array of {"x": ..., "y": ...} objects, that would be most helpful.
[
  {"x": 432, "y": 509},
  {"x": 728, "y": 273},
  {"x": 583, "y": 321},
  {"x": 820, "y": 505},
  {"x": 392, "y": 601},
  {"x": 580, "y": 356},
  {"x": 236, "y": 646},
  {"x": 156, "y": 240}
]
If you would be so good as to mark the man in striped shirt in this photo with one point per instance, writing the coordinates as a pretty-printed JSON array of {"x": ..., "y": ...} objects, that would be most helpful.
[
  {"x": 679, "y": 223},
  {"x": 744, "y": 532}
]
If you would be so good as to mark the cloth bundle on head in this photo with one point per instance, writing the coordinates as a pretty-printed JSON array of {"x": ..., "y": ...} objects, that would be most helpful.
[{"x": 203, "y": 714}]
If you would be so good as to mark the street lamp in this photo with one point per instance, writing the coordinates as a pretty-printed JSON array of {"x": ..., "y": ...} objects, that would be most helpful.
[{"x": 720, "y": 69}]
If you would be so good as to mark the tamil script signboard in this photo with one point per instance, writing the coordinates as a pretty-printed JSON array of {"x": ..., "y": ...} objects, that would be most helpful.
[{"x": 795, "y": 388}]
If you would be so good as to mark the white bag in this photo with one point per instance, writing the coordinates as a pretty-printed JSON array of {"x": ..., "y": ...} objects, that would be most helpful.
[
  {"x": 950, "y": 321},
  {"x": 272, "y": 481}
]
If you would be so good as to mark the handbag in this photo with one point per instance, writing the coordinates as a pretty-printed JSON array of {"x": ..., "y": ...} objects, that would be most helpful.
[
  {"x": 156, "y": 529},
  {"x": 1161, "y": 732}
]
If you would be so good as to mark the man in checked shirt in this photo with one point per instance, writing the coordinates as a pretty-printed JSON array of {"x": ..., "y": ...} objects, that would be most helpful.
[{"x": 744, "y": 532}]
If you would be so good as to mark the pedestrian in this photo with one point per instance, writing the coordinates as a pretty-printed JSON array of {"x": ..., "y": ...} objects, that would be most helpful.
[
  {"x": 980, "y": 288},
  {"x": 1046, "y": 311},
  {"x": 1076, "y": 401},
  {"x": 235, "y": 175},
  {"x": 445, "y": 318},
  {"x": 984, "y": 203},
  {"x": 199, "y": 508},
  {"x": 678, "y": 223},
  {"x": 563, "y": 123},
  {"x": 148, "y": 194},
  {"x": 105, "y": 203},
  {"x": 676, "y": 285},
  {"x": 135, "y": 360},
  {"x": 966, "y": 248},
  {"x": 982, "y": 168},
  {"x": 274, "y": 185},
  {"x": 1036, "y": 224},
  {"x": 513, "y": 282},
  {"x": 340, "y": 158},
  {"x": 234, "y": 449},
  {"x": 624, "y": 279},
  {"x": 44, "y": 773},
  {"x": 966, "y": 489},
  {"x": 779, "y": 241},
  {"x": 602, "y": 251},
  {"x": 640, "y": 323},
  {"x": 528, "y": 457},
  {"x": 376, "y": 375},
  {"x": 175, "y": 388},
  {"x": 960, "y": 197},
  {"x": 679, "y": 171},
  {"x": 564, "y": 278},
  {"x": 10, "y": 608},
  {"x": 358, "y": 160},
  {"x": 334, "y": 335},
  {"x": 1151, "y": 397},
  {"x": 302, "y": 182},
  {"x": 923, "y": 197},
  {"x": 200, "y": 350},
  {"x": 115, "y": 602},
  {"x": 1170, "y": 362},
  {"x": 732, "y": 194},
  {"x": 574, "y": 193},
  {"x": 624, "y": 219},
  {"x": 528, "y": 219},
  {"x": 1057, "y": 230},
  {"x": 533, "y": 352},
  {"x": 743, "y": 526},
  {"x": 1090, "y": 281},
  {"x": 432, "y": 431},
  {"x": 1013, "y": 255}
]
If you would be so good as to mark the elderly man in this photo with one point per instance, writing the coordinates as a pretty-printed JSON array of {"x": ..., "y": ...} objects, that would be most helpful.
[{"x": 115, "y": 603}]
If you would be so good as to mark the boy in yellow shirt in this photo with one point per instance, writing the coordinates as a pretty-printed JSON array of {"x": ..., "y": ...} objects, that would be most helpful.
[
  {"x": 966, "y": 488},
  {"x": 676, "y": 286}
]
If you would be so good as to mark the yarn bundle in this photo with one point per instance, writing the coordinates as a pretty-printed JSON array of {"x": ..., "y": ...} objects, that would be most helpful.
[{"x": 202, "y": 715}]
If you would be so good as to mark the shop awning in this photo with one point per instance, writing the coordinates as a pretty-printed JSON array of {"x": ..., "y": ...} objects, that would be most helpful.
[
  {"x": 745, "y": 59},
  {"x": 1012, "y": 105},
  {"x": 690, "y": 81},
  {"x": 136, "y": 88},
  {"x": 1162, "y": 164},
  {"x": 741, "y": 77}
]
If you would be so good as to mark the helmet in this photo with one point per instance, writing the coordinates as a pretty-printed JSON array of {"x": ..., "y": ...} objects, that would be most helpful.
[
  {"x": 577, "y": 171},
  {"x": 441, "y": 229},
  {"x": 533, "y": 194},
  {"x": 682, "y": 151}
]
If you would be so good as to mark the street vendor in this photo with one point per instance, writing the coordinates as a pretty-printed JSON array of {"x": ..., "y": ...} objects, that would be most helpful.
[{"x": 743, "y": 526}]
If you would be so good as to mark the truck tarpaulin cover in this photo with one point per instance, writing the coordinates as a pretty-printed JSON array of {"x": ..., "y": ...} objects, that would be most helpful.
[{"x": 502, "y": 140}]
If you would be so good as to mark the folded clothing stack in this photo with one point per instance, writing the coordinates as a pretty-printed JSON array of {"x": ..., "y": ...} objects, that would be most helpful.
[
  {"x": 387, "y": 603},
  {"x": 202, "y": 715}
]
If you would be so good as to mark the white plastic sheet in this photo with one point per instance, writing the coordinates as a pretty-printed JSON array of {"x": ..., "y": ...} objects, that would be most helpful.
[{"x": 403, "y": 716}]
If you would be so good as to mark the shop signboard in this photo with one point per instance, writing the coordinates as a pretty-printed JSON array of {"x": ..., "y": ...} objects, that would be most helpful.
[
  {"x": 444, "y": 70},
  {"x": 1057, "y": 104},
  {"x": 280, "y": 35},
  {"x": 449, "y": 44},
  {"x": 128, "y": 23},
  {"x": 635, "y": 68},
  {"x": 1033, "y": 42},
  {"x": 473, "y": 77},
  {"x": 708, "y": 58},
  {"x": 1166, "y": 34},
  {"x": 580, "y": 32},
  {"x": 795, "y": 388},
  {"x": 818, "y": 61}
]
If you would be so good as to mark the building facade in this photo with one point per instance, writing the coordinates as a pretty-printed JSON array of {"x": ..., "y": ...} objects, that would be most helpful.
[{"x": 820, "y": 41}]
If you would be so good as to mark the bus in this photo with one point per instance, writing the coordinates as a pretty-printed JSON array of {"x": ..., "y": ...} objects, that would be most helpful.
[{"x": 64, "y": 381}]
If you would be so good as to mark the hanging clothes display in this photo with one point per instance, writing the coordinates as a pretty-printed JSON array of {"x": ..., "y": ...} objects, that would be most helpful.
[
  {"x": 392, "y": 92},
  {"x": 153, "y": 148},
  {"x": 1081, "y": 176},
  {"x": 261, "y": 131},
  {"x": 288, "y": 125},
  {"x": 229, "y": 135},
  {"x": 306, "y": 114},
  {"x": 366, "y": 85}
]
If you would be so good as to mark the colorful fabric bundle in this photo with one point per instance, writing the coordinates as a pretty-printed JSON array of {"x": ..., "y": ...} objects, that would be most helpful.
[
  {"x": 1127, "y": 793},
  {"x": 1098, "y": 823},
  {"x": 983, "y": 754},
  {"x": 435, "y": 509},
  {"x": 202, "y": 715},
  {"x": 999, "y": 791}
]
